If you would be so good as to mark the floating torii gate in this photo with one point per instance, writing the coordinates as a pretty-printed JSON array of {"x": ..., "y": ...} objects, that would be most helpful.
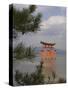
[
  {"x": 47, "y": 45},
  {"x": 48, "y": 56},
  {"x": 48, "y": 50}
]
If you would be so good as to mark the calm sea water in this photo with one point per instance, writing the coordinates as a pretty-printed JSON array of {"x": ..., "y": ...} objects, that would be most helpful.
[{"x": 30, "y": 65}]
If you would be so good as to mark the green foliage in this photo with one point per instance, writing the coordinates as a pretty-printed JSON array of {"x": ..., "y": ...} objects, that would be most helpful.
[
  {"x": 21, "y": 52},
  {"x": 32, "y": 8},
  {"x": 18, "y": 77},
  {"x": 29, "y": 53},
  {"x": 60, "y": 80},
  {"x": 34, "y": 78},
  {"x": 24, "y": 21}
]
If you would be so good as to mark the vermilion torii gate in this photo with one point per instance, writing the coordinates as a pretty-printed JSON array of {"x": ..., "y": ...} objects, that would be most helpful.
[{"x": 48, "y": 57}]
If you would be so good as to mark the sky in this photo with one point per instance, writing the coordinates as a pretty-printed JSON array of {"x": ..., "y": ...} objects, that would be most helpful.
[{"x": 52, "y": 27}]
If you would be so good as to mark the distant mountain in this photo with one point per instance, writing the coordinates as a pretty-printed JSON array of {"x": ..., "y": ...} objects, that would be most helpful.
[
  {"x": 37, "y": 49},
  {"x": 58, "y": 51}
]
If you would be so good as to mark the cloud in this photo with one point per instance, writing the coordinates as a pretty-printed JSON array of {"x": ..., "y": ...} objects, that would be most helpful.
[
  {"x": 52, "y": 27},
  {"x": 55, "y": 32},
  {"x": 48, "y": 11},
  {"x": 53, "y": 20}
]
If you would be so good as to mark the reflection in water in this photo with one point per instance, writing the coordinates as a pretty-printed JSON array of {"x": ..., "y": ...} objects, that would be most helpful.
[
  {"x": 48, "y": 59},
  {"x": 58, "y": 65}
]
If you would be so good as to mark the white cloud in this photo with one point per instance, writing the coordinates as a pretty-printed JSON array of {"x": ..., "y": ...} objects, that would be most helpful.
[
  {"x": 53, "y": 30},
  {"x": 53, "y": 20}
]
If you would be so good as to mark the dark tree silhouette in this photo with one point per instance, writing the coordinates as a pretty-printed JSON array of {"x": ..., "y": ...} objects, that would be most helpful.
[
  {"x": 34, "y": 78},
  {"x": 25, "y": 20}
]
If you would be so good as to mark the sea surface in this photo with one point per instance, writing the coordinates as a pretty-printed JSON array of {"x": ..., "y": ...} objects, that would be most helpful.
[{"x": 26, "y": 65}]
